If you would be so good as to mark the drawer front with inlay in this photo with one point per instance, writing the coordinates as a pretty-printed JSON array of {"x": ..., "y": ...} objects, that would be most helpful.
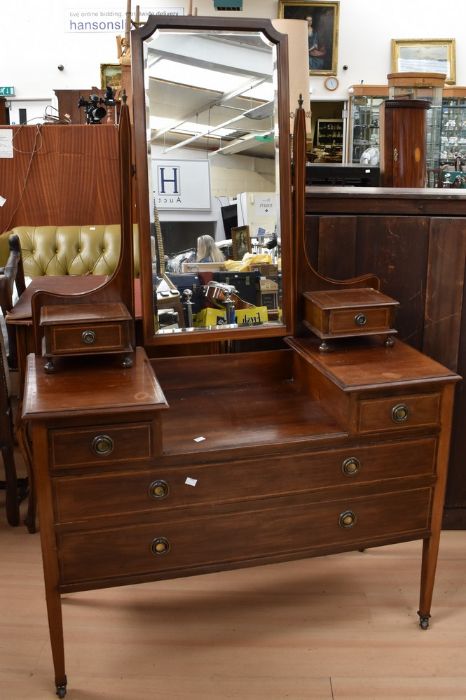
[
  {"x": 399, "y": 412},
  {"x": 102, "y": 337},
  {"x": 157, "y": 489},
  {"x": 102, "y": 445},
  {"x": 238, "y": 537},
  {"x": 360, "y": 320}
]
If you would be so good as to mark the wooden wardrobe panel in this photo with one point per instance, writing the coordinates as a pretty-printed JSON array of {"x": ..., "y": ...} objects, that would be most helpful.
[
  {"x": 61, "y": 175},
  {"x": 445, "y": 283},
  {"x": 395, "y": 248}
]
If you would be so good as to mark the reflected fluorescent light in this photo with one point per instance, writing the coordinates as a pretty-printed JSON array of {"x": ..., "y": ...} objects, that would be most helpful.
[
  {"x": 165, "y": 123},
  {"x": 207, "y": 79},
  {"x": 186, "y": 74}
]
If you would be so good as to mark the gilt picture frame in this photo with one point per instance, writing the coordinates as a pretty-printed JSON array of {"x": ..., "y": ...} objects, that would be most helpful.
[
  {"x": 110, "y": 74},
  {"x": 425, "y": 56},
  {"x": 323, "y": 19},
  {"x": 241, "y": 241}
]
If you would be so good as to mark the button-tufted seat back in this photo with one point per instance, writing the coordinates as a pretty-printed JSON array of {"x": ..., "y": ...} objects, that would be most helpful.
[{"x": 72, "y": 250}]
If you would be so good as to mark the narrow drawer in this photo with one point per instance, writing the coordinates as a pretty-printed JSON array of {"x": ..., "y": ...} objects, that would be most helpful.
[
  {"x": 399, "y": 412},
  {"x": 102, "y": 445},
  {"x": 68, "y": 339},
  {"x": 82, "y": 497},
  {"x": 360, "y": 320},
  {"x": 240, "y": 537}
]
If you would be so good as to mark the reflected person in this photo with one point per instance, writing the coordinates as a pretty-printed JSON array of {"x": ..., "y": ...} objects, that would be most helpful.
[{"x": 207, "y": 250}]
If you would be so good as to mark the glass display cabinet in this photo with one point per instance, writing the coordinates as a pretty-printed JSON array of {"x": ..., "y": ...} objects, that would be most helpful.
[
  {"x": 452, "y": 161},
  {"x": 364, "y": 105}
]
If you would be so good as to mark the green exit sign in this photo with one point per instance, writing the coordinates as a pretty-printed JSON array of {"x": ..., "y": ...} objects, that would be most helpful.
[{"x": 7, "y": 91}]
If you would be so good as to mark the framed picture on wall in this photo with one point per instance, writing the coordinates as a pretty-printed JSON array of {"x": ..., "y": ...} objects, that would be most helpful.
[
  {"x": 110, "y": 74},
  {"x": 425, "y": 56},
  {"x": 322, "y": 19},
  {"x": 241, "y": 241}
]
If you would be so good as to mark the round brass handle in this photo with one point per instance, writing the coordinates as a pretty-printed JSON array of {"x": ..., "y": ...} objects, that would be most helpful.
[
  {"x": 159, "y": 489},
  {"x": 160, "y": 546},
  {"x": 347, "y": 519},
  {"x": 350, "y": 466},
  {"x": 400, "y": 413},
  {"x": 88, "y": 337},
  {"x": 102, "y": 445},
  {"x": 360, "y": 319}
]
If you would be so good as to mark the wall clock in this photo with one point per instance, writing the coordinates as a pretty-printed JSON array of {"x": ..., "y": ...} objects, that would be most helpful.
[{"x": 331, "y": 83}]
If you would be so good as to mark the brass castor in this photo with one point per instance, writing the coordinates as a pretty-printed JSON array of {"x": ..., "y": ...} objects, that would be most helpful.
[
  {"x": 423, "y": 621},
  {"x": 61, "y": 688}
]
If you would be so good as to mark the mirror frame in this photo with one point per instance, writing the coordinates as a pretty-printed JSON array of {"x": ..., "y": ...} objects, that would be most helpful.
[{"x": 143, "y": 200}]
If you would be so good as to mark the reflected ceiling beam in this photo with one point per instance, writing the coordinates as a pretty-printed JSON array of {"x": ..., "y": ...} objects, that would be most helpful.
[
  {"x": 212, "y": 130},
  {"x": 239, "y": 145},
  {"x": 207, "y": 65}
]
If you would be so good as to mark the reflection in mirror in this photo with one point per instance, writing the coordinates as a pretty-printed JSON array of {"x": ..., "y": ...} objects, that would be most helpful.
[{"x": 211, "y": 116}]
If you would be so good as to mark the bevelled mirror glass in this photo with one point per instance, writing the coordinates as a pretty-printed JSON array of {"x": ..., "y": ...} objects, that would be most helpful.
[{"x": 211, "y": 120}]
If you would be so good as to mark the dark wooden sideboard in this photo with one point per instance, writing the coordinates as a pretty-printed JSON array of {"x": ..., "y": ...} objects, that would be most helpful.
[{"x": 414, "y": 240}]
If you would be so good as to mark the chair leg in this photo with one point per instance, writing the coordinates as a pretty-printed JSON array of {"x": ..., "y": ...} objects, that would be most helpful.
[
  {"x": 11, "y": 484},
  {"x": 25, "y": 447}
]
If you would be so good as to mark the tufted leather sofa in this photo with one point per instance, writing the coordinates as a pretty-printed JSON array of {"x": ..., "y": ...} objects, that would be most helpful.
[{"x": 69, "y": 250}]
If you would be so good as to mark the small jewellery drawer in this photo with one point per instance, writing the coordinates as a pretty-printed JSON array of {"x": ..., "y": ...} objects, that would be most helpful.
[
  {"x": 240, "y": 536},
  {"x": 83, "y": 497},
  {"x": 349, "y": 312},
  {"x": 81, "y": 339},
  {"x": 359, "y": 321},
  {"x": 399, "y": 412},
  {"x": 102, "y": 445}
]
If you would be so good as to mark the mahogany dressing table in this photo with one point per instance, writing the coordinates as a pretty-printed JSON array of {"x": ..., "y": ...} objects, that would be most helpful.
[{"x": 183, "y": 465}]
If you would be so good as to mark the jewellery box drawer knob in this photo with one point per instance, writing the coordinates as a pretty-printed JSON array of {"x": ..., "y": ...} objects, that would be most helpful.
[
  {"x": 347, "y": 519},
  {"x": 88, "y": 337},
  {"x": 159, "y": 489},
  {"x": 102, "y": 445},
  {"x": 400, "y": 413},
  {"x": 160, "y": 546},
  {"x": 350, "y": 466},
  {"x": 360, "y": 319}
]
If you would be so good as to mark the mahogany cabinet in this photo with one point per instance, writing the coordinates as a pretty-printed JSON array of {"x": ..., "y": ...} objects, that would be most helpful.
[
  {"x": 403, "y": 128},
  {"x": 414, "y": 240}
]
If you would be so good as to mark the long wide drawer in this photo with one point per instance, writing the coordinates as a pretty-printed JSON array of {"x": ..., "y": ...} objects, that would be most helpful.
[
  {"x": 81, "y": 497},
  {"x": 240, "y": 537}
]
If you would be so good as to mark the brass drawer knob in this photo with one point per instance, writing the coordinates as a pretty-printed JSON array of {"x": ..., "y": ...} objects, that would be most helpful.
[
  {"x": 160, "y": 546},
  {"x": 102, "y": 445},
  {"x": 360, "y": 319},
  {"x": 88, "y": 337},
  {"x": 159, "y": 489},
  {"x": 347, "y": 519},
  {"x": 400, "y": 413},
  {"x": 350, "y": 466}
]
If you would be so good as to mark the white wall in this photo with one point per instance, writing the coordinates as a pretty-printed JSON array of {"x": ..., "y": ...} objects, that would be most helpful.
[{"x": 34, "y": 40}]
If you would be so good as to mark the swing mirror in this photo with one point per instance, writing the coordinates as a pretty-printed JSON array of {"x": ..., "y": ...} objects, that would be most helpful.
[{"x": 211, "y": 125}]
